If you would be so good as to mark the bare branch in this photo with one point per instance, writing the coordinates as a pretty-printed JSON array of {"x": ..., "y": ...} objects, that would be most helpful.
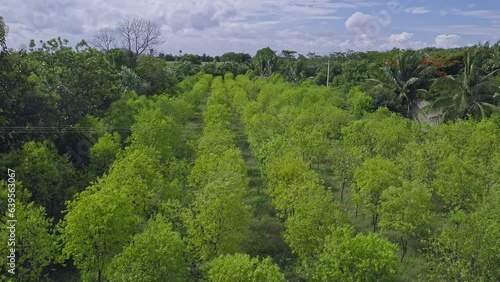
[
  {"x": 104, "y": 40},
  {"x": 139, "y": 35}
]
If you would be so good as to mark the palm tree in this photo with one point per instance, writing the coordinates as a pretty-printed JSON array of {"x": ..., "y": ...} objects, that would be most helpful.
[
  {"x": 406, "y": 78},
  {"x": 469, "y": 94}
]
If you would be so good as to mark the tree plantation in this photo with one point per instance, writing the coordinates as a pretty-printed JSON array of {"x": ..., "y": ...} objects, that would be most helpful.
[{"x": 133, "y": 167}]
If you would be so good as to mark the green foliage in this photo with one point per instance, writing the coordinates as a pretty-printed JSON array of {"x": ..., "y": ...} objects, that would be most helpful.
[
  {"x": 382, "y": 133},
  {"x": 156, "y": 130},
  {"x": 469, "y": 94},
  {"x": 374, "y": 177},
  {"x": 289, "y": 180},
  {"x": 360, "y": 103},
  {"x": 310, "y": 224},
  {"x": 104, "y": 153},
  {"x": 97, "y": 227},
  {"x": 158, "y": 78},
  {"x": 349, "y": 257},
  {"x": 406, "y": 210},
  {"x": 406, "y": 77},
  {"x": 459, "y": 183},
  {"x": 467, "y": 248},
  {"x": 265, "y": 62},
  {"x": 156, "y": 254},
  {"x": 83, "y": 79},
  {"x": 345, "y": 161},
  {"x": 48, "y": 176},
  {"x": 35, "y": 244},
  {"x": 242, "y": 268}
]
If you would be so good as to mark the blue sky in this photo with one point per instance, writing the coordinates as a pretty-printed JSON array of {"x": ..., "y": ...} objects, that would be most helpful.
[{"x": 218, "y": 26}]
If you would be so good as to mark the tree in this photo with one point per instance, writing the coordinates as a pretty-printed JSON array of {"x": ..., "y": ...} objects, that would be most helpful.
[
  {"x": 344, "y": 161},
  {"x": 346, "y": 257},
  {"x": 373, "y": 177},
  {"x": 242, "y": 268},
  {"x": 460, "y": 183},
  {"x": 468, "y": 94},
  {"x": 103, "y": 153},
  {"x": 219, "y": 221},
  {"x": 139, "y": 35},
  {"x": 48, "y": 176},
  {"x": 406, "y": 77},
  {"x": 289, "y": 180},
  {"x": 96, "y": 228},
  {"x": 467, "y": 247},
  {"x": 265, "y": 62},
  {"x": 406, "y": 210},
  {"x": 157, "y": 254},
  {"x": 104, "y": 40},
  {"x": 308, "y": 227},
  {"x": 36, "y": 243}
]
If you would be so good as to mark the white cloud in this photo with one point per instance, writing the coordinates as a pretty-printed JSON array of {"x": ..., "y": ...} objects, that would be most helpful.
[
  {"x": 198, "y": 15},
  {"x": 400, "y": 38},
  {"x": 366, "y": 24},
  {"x": 447, "y": 41},
  {"x": 403, "y": 41},
  {"x": 417, "y": 10}
]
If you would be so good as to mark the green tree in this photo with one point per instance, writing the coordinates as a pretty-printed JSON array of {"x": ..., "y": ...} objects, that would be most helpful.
[
  {"x": 308, "y": 227},
  {"x": 467, "y": 248},
  {"x": 460, "y": 183},
  {"x": 360, "y": 103},
  {"x": 104, "y": 153},
  {"x": 406, "y": 210},
  {"x": 218, "y": 223},
  {"x": 344, "y": 162},
  {"x": 83, "y": 79},
  {"x": 374, "y": 177},
  {"x": 346, "y": 257},
  {"x": 265, "y": 62},
  {"x": 98, "y": 225},
  {"x": 48, "y": 176},
  {"x": 157, "y": 254},
  {"x": 242, "y": 268},
  {"x": 289, "y": 180},
  {"x": 36, "y": 243},
  {"x": 468, "y": 94},
  {"x": 406, "y": 77}
]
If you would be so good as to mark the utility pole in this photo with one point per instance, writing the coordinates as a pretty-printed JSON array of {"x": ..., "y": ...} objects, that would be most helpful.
[{"x": 328, "y": 71}]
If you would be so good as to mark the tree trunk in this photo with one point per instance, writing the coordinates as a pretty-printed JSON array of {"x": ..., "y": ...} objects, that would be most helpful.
[{"x": 404, "y": 248}]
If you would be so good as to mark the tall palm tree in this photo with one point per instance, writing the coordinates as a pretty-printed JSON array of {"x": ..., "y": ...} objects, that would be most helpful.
[
  {"x": 406, "y": 78},
  {"x": 469, "y": 94}
]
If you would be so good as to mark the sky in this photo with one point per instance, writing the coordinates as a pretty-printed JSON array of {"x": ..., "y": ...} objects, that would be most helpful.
[{"x": 214, "y": 27}]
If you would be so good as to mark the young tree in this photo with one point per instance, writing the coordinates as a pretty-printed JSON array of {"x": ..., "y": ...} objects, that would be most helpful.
[
  {"x": 36, "y": 244},
  {"x": 467, "y": 247},
  {"x": 219, "y": 221},
  {"x": 373, "y": 177},
  {"x": 48, "y": 176},
  {"x": 406, "y": 210},
  {"x": 96, "y": 228},
  {"x": 242, "y": 268},
  {"x": 157, "y": 254},
  {"x": 346, "y": 257}
]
